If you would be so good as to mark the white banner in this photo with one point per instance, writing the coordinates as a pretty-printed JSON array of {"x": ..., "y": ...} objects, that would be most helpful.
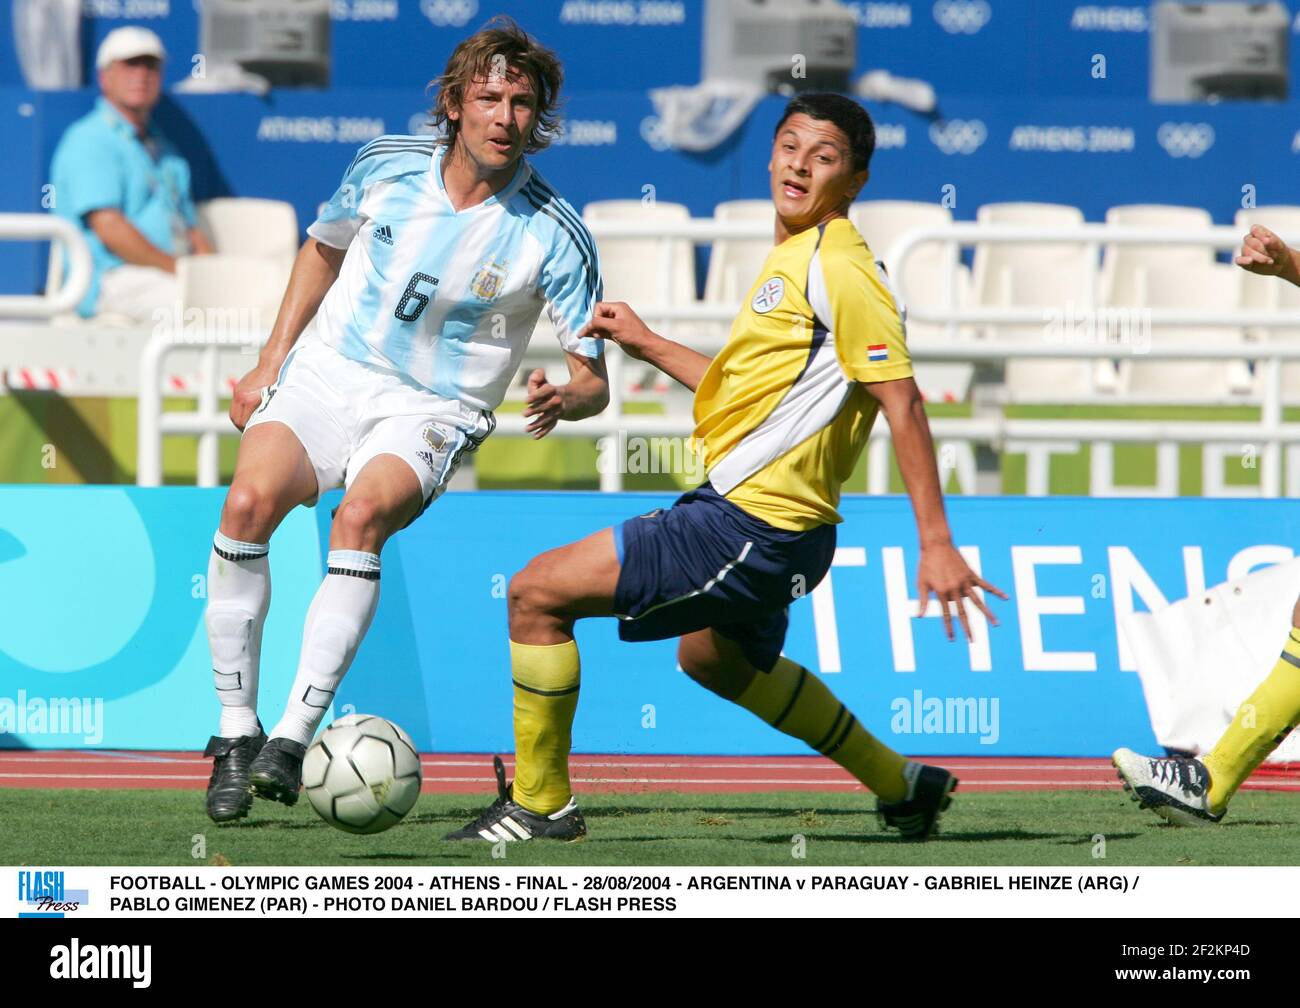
[{"x": 1201, "y": 657}]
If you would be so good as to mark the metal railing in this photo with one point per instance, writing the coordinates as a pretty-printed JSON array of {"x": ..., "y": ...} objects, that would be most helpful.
[
  {"x": 955, "y": 437},
  {"x": 69, "y": 243}
]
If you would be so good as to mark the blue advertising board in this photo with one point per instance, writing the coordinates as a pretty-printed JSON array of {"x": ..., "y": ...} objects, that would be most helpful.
[
  {"x": 1035, "y": 102},
  {"x": 104, "y": 603}
]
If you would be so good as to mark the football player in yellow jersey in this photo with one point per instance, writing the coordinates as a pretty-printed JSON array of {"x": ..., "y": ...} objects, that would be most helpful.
[
  {"x": 1196, "y": 791},
  {"x": 782, "y": 415}
]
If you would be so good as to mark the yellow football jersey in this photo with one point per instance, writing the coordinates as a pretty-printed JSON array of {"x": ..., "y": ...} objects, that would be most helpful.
[{"x": 779, "y": 415}]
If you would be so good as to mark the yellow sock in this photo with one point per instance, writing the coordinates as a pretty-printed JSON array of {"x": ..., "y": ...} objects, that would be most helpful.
[
  {"x": 1260, "y": 725},
  {"x": 546, "y": 678},
  {"x": 793, "y": 700}
]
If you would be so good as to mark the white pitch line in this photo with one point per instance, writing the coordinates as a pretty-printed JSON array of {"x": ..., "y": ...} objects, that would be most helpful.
[
  {"x": 98, "y": 776},
  {"x": 116, "y": 761},
  {"x": 716, "y": 781},
  {"x": 814, "y": 764}
]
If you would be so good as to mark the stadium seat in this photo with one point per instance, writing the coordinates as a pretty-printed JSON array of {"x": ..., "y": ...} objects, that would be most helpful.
[
  {"x": 634, "y": 269},
  {"x": 927, "y": 284},
  {"x": 882, "y": 222},
  {"x": 234, "y": 283},
  {"x": 1215, "y": 288},
  {"x": 251, "y": 227},
  {"x": 1120, "y": 264},
  {"x": 237, "y": 295},
  {"x": 734, "y": 263},
  {"x": 1057, "y": 277},
  {"x": 994, "y": 265}
]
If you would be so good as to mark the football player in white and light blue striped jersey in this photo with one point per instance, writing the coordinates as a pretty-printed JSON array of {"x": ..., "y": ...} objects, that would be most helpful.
[
  {"x": 446, "y": 297},
  {"x": 406, "y": 316}
]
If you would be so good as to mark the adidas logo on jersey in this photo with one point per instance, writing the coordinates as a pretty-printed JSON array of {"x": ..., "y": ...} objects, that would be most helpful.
[{"x": 383, "y": 233}]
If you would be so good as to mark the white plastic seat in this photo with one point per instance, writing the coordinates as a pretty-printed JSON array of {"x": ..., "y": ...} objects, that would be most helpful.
[
  {"x": 1214, "y": 288},
  {"x": 633, "y": 268},
  {"x": 994, "y": 264},
  {"x": 251, "y": 227},
  {"x": 1287, "y": 299},
  {"x": 1054, "y": 276},
  {"x": 939, "y": 381},
  {"x": 1120, "y": 264},
  {"x": 228, "y": 295},
  {"x": 929, "y": 267},
  {"x": 645, "y": 272},
  {"x": 734, "y": 263},
  {"x": 882, "y": 222}
]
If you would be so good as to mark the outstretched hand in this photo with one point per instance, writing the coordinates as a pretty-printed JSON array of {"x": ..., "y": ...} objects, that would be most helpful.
[{"x": 944, "y": 572}]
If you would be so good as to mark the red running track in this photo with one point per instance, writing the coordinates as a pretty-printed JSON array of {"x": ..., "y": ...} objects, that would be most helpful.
[{"x": 472, "y": 773}]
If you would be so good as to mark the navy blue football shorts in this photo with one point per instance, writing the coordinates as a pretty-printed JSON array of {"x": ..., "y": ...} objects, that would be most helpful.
[{"x": 704, "y": 562}]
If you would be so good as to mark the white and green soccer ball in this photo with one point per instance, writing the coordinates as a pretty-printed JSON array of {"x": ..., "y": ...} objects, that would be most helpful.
[{"x": 362, "y": 774}]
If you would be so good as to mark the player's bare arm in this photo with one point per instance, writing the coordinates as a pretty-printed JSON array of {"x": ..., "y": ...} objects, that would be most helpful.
[
  {"x": 125, "y": 241},
  {"x": 585, "y": 395},
  {"x": 615, "y": 321},
  {"x": 942, "y": 570},
  {"x": 1263, "y": 252},
  {"x": 314, "y": 270}
]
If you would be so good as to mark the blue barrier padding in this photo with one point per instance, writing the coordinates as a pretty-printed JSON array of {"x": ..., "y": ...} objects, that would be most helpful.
[{"x": 103, "y": 603}]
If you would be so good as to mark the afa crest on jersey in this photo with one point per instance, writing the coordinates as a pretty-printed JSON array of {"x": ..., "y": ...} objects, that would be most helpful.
[
  {"x": 488, "y": 281},
  {"x": 433, "y": 437}
]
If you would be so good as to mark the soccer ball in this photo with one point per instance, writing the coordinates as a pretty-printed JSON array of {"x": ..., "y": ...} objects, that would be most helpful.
[{"x": 362, "y": 775}]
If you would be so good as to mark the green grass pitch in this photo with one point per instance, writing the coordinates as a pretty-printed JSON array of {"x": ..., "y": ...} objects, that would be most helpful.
[{"x": 127, "y": 827}]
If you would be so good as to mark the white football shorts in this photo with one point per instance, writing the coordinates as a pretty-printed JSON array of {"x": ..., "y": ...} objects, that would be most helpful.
[{"x": 345, "y": 413}]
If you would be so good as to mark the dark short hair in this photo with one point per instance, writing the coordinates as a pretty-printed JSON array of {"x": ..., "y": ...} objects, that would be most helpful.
[
  {"x": 472, "y": 60},
  {"x": 853, "y": 120}
]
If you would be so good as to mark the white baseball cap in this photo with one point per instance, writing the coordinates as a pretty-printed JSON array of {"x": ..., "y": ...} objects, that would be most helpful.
[{"x": 128, "y": 43}]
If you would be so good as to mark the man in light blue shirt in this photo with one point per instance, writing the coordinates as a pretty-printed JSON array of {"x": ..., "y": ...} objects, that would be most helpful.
[{"x": 125, "y": 186}]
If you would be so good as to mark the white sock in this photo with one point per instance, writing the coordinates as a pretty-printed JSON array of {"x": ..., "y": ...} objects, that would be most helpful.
[
  {"x": 239, "y": 594},
  {"x": 339, "y": 617}
]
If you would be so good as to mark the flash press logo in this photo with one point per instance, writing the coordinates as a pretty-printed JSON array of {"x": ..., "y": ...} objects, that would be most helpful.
[
  {"x": 959, "y": 136},
  {"x": 75, "y": 961},
  {"x": 449, "y": 13},
  {"x": 46, "y": 894},
  {"x": 1189, "y": 140},
  {"x": 962, "y": 17}
]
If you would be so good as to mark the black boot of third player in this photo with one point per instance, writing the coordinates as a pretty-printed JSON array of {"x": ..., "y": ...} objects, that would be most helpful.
[
  {"x": 228, "y": 795},
  {"x": 929, "y": 793},
  {"x": 276, "y": 774},
  {"x": 505, "y": 819}
]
